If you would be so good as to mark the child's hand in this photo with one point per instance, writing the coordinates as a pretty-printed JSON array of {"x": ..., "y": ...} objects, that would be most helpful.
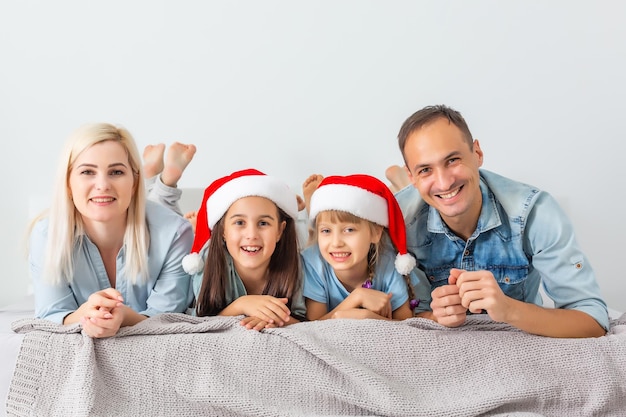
[
  {"x": 269, "y": 309},
  {"x": 356, "y": 313},
  {"x": 375, "y": 301},
  {"x": 255, "y": 323}
]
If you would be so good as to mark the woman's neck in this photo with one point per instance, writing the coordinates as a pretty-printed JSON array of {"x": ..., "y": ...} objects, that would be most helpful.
[{"x": 108, "y": 237}]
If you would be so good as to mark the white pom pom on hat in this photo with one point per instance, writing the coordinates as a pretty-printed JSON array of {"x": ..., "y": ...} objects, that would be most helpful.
[
  {"x": 368, "y": 198},
  {"x": 222, "y": 193}
]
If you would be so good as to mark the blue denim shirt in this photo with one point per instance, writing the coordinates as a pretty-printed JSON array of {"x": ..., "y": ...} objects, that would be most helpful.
[
  {"x": 168, "y": 288},
  {"x": 523, "y": 237}
]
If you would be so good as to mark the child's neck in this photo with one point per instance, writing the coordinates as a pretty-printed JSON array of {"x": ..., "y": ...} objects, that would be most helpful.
[
  {"x": 254, "y": 280},
  {"x": 353, "y": 278}
]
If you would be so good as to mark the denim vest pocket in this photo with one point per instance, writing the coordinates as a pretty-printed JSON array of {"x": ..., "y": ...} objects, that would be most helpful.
[
  {"x": 438, "y": 276},
  {"x": 512, "y": 280}
]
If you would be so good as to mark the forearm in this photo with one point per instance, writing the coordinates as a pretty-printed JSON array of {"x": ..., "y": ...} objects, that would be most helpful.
[
  {"x": 350, "y": 303},
  {"x": 358, "y": 313},
  {"x": 73, "y": 317},
  {"x": 131, "y": 317},
  {"x": 427, "y": 315},
  {"x": 233, "y": 309},
  {"x": 553, "y": 322}
]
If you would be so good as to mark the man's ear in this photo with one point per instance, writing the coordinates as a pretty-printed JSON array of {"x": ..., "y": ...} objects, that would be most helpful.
[
  {"x": 478, "y": 152},
  {"x": 408, "y": 174}
]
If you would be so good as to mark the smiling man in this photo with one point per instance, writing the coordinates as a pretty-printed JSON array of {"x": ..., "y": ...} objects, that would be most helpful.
[{"x": 485, "y": 242}]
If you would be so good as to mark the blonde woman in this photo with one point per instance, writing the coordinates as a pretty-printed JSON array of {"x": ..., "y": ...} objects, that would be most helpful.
[{"x": 102, "y": 255}]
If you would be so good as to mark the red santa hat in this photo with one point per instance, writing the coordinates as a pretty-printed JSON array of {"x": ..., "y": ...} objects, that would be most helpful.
[
  {"x": 222, "y": 193},
  {"x": 368, "y": 198}
]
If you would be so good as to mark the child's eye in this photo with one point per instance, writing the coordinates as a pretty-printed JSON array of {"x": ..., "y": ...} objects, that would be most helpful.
[
  {"x": 239, "y": 223},
  {"x": 263, "y": 223},
  {"x": 349, "y": 229},
  {"x": 324, "y": 231}
]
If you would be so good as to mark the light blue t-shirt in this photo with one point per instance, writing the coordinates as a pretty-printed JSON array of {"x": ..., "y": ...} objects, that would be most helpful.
[
  {"x": 322, "y": 285},
  {"x": 235, "y": 287},
  {"x": 166, "y": 290},
  {"x": 523, "y": 237}
]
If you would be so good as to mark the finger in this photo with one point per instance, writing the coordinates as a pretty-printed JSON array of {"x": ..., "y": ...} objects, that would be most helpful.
[
  {"x": 244, "y": 322},
  {"x": 274, "y": 316},
  {"x": 260, "y": 326},
  {"x": 102, "y": 313},
  {"x": 282, "y": 304},
  {"x": 454, "y": 275},
  {"x": 452, "y": 321},
  {"x": 266, "y": 314},
  {"x": 280, "y": 310},
  {"x": 448, "y": 300},
  {"x": 445, "y": 290},
  {"x": 113, "y": 294},
  {"x": 102, "y": 322},
  {"x": 98, "y": 300},
  {"x": 93, "y": 330}
]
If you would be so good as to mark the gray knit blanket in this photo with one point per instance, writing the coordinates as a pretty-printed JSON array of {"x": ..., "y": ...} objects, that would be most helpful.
[{"x": 178, "y": 365}]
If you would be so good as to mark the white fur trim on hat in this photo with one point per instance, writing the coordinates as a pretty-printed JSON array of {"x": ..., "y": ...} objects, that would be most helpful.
[
  {"x": 249, "y": 186},
  {"x": 193, "y": 263},
  {"x": 351, "y": 199},
  {"x": 405, "y": 263}
]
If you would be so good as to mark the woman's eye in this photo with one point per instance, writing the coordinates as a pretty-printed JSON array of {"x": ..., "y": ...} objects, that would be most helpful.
[
  {"x": 117, "y": 172},
  {"x": 86, "y": 172}
]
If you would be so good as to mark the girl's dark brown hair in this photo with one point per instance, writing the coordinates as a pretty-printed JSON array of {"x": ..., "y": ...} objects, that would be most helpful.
[{"x": 284, "y": 269}]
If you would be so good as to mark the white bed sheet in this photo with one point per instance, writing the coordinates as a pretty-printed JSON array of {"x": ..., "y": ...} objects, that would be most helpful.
[{"x": 10, "y": 342}]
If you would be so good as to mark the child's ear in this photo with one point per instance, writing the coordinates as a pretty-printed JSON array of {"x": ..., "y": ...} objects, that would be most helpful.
[
  {"x": 377, "y": 233},
  {"x": 281, "y": 229}
]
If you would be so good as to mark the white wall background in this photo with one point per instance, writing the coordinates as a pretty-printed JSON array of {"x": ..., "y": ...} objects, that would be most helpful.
[{"x": 293, "y": 88}]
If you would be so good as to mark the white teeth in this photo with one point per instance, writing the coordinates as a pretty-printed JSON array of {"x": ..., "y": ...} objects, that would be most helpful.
[
  {"x": 102, "y": 200},
  {"x": 251, "y": 248},
  {"x": 450, "y": 195},
  {"x": 340, "y": 254}
]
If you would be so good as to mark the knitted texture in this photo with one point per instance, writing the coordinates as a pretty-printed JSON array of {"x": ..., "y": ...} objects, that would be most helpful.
[{"x": 173, "y": 364}]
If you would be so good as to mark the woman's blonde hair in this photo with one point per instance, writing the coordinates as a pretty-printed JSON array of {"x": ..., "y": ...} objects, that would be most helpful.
[{"x": 65, "y": 223}]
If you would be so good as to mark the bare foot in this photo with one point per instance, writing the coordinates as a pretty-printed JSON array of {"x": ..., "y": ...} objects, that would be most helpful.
[
  {"x": 192, "y": 216},
  {"x": 301, "y": 203},
  {"x": 178, "y": 157},
  {"x": 398, "y": 177},
  {"x": 153, "y": 160},
  {"x": 308, "y": 187}
]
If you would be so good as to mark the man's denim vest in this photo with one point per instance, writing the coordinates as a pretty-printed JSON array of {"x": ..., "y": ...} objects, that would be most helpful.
[{"x": 497, "y": 244}]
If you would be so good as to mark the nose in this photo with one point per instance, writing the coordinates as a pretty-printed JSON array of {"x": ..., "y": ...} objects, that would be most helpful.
[
  {"x": 443, "y": 179},
  {"x": 336, "y": 240},
  {"x": 251, "y": 231},
  {"x": 102, "y": 182}
]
